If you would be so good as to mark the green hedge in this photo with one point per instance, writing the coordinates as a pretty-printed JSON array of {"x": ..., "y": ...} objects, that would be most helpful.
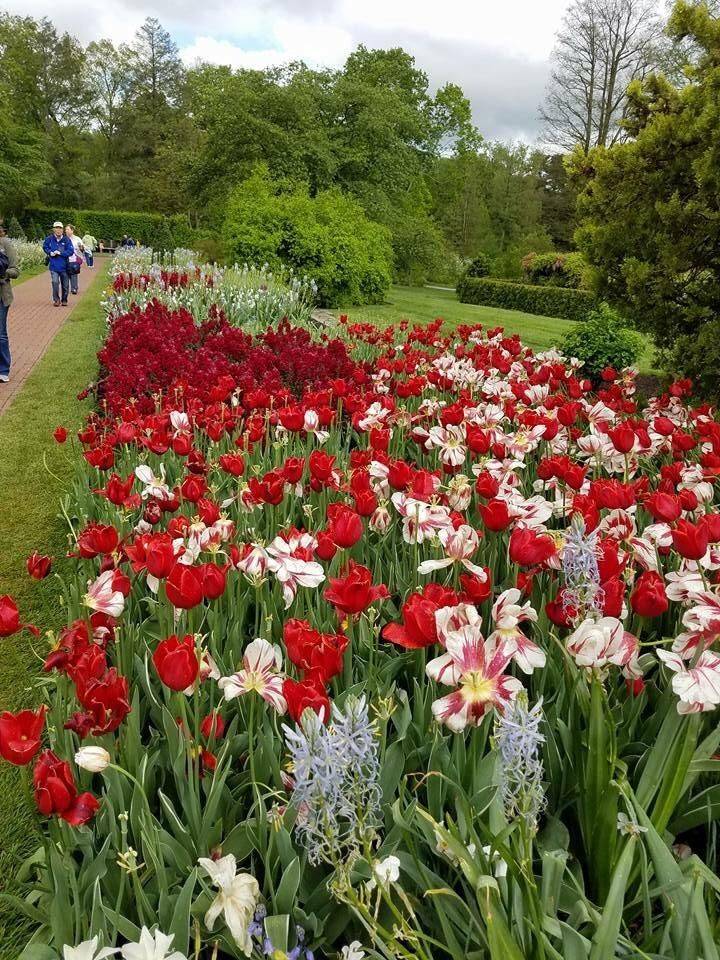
[
  {"x": 151, "y": 229},
  {"x": 547, "y": 301}
]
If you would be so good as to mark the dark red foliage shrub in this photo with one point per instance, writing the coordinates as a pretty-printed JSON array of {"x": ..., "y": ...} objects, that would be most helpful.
[{"x": 155, "y": 350}]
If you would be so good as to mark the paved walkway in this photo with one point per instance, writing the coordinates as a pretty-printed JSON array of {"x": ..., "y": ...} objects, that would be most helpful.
[{"x": 33, "y": 322}]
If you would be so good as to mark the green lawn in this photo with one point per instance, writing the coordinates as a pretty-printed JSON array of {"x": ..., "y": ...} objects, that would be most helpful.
[
  {"x": 28, "y": 272},
  {"x": 428, "y": 303},
  {"x": 34, "y": 474}
]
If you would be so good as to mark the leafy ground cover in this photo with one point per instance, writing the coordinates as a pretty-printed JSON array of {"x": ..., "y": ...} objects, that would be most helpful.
[{"x": 34, "y": 476}]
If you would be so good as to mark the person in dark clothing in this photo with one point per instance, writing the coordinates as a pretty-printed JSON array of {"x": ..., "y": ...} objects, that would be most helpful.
[
  {"x": 11, "y": 272},
  {"x": 58, "y": 250}
]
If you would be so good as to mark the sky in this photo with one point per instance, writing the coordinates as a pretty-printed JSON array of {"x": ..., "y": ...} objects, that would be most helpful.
[{"x": 498, "y": 52}]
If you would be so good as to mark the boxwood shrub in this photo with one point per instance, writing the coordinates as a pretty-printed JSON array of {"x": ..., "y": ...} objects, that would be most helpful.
[
  {"x": 151, "y": 229},
  {"x": 547, "y": 301},
  {"x": 603, "y": 340}
]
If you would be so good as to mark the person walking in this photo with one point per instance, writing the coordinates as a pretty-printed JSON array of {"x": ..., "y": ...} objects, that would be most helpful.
[
  {"x": 58, "y": 250},
  {"x": 89, "y": 243},
  {"x": 9, "y": 270},
  {"x": 75, "y": 261}
]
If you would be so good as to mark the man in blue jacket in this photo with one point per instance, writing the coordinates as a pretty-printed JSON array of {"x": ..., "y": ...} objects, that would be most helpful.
[{"x": 58, "y": 248}]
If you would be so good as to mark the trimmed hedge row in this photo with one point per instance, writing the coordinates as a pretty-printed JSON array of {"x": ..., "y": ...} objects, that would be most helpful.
[
  {"x": 547, "y": 301},
  {"x": 151, "y": 229}
]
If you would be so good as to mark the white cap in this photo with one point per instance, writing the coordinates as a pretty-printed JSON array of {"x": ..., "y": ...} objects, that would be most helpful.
[{"x": 57, "y": 224}]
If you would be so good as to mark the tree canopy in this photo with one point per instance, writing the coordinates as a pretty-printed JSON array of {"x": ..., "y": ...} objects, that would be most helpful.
[
  {"x": 107, "y": 127},
  {"x": 650, "y": 208}
]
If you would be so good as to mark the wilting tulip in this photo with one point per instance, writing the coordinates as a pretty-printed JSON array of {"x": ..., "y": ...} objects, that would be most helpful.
[
  {"x": 354, "y": 592},
  {"x": 38, "y": 565},
  {"x": 20, "y": 735}
]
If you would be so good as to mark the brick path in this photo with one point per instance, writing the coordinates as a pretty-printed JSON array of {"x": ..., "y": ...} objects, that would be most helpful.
[{"x": 33, "y": 322}]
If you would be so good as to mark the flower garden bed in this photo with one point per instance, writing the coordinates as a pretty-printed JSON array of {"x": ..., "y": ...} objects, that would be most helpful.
[{"x": 393, "y": 646}]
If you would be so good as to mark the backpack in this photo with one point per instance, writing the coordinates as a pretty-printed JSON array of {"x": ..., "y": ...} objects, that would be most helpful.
[{"x": 4, "y": 263}]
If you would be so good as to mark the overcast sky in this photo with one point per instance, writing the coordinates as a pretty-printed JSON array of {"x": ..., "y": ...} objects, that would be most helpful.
[{"x": 498, "y": 52}]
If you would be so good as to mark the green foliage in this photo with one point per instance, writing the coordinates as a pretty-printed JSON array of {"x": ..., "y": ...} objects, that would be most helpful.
[
  {"x": 546, "y": 301},
  {"x": 648, "y": 209},
  {"x": 150, "y": 229},
  {"x": 603, "y": 340},
  {"x": 15, "y": 230},
  {"x": 491, "y": 200},
  {"x": 480, "y": 266},
  {"x": 555, "y": 269},
  {"x": 326, "y": 236}
]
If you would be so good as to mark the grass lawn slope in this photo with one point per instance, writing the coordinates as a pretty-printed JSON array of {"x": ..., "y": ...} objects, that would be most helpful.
[{"x": 34, "y": 473}]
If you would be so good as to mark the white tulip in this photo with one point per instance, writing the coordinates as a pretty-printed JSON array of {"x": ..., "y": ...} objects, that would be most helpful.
[
  {"x": 353, "y": 952},
  {"x": 237, "y": 899},
  {"x": 94, "y": 759},
  {"x": 87, "y": 950},
  {"x": 151, "y": 946}
]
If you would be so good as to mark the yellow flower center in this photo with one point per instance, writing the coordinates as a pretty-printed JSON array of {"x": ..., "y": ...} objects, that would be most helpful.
[{"x": 476, "y": 687}]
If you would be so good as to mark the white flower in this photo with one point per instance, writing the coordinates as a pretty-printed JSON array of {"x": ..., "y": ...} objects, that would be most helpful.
[
  {"x": 94, "y": 759},
  {"x": 353, "y": 951},
  {"x": 151, "y": 946},
  {"x": 87, "y": 951},
  {"x": 500, "y": 866},
  {"x": 103, "y": 597},
  {"x": 697, "y": 687},
  {"x": 237, "y": 898},
  {"x": 387, "y": 871},
  {"x": 260, "y": 673}
]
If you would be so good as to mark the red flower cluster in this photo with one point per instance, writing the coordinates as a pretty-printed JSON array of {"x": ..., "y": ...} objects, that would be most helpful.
[{"x": 156, "y": 349}]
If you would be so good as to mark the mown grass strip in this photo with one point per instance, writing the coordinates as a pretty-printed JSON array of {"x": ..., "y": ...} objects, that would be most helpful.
[{"x": 30, "y": 495}]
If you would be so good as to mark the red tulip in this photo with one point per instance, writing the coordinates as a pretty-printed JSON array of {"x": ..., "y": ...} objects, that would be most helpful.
[
  {"x": 496, "y": 515},
  {"x": 418, "y": 628},
  {"x": 96, "y": 539},
  {"x": 476, "y": 590},
  {"x": 193, "y": 488},
  {"x": 354, "y": 592},
  {"x": 528, "y": 548},
  {"x": 663, "y": 506},
  {"x": 213, "y": 726},
  {"x": 648, "y": 599},
  {"x": 345, "y": 526},
  {"x": 622, "y": 438},
  {"x": 176, "y": 662},
  {"x": 60, "y": 434},
  {"x": 326, "y": 546},
  {"x": 320, "y": 654},
  {"x": 305, "y": 695},
  {"x": 214, "y": 580},
  {"x": 160, "y": 556},
  {"x": 690, "y": 540},
  {"x": 9, "y": 616},
  {"x": 184, "y": 587},
  {"x": 20, "y": 735},
  {"x": 56, "y": 793},
  {"x": 38, "y": 565},
  {"x": 233, "y": 463}
]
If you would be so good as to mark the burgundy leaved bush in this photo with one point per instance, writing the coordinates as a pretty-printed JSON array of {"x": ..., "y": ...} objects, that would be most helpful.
[{"x": 156, "y": 349}]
